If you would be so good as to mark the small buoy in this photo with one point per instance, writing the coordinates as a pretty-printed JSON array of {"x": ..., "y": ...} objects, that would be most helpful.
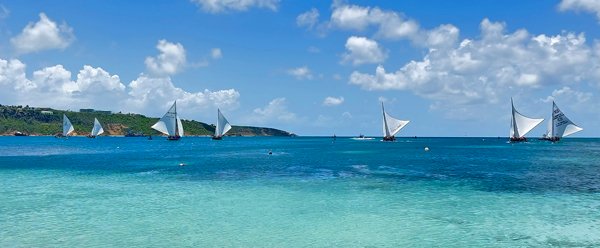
[
  {"x": 426, "y": 149},
  {"x": 270, "y": 152},
  {"x": 181, "y": 164}
]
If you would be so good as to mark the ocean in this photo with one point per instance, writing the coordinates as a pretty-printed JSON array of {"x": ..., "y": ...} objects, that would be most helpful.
[{"x": 310, "y": 192}]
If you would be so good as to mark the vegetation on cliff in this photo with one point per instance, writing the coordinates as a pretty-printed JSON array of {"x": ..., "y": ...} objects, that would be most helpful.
[{"x": 46, "y": 121}]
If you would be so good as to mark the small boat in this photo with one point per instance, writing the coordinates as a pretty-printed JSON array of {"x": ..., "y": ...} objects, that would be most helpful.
[
  {"x": 391, "y": 126},
  {"x": 520, "y": 125},
  {"x": 170, "y": 124},
  {"x": 362, "y": 137},
  {"x": 222, "y": 127},
  {"x": 560, "y": 126},
  {"x": 17, "y": 133},
  {"x": 96, "y": 130},
  {"x": 67, "y": 127}
]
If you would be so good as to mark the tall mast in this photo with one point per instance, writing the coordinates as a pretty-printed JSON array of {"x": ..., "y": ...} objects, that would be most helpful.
[{"x": 387, "y": 130}]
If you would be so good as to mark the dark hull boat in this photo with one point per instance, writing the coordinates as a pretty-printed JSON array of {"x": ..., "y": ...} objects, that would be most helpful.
[{"x": 391, "y": 126}]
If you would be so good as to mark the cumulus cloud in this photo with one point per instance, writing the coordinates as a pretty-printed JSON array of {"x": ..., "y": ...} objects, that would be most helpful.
[
  {"x": 172, "y": 59},
  {"x": 592, "y": 6},
  {"x": 45, "y": 34},
  {"x": 94, "y": 87},
  {"x": 361, "y": 50},
  {"x": 301, "y": 73},
  {"x": 308, "y": 19},
  {"x": 333, "y": 101},
  {"x": 390, "y": 24},
  {"x": 484, "y": 70},
  {"x": 219, "y": 6},
  {"x": 568, "y": 94},
  {"x": 275, "y": 112},
  {"x": 216, "y": 53},
  {"x": 153, "y": 94}
]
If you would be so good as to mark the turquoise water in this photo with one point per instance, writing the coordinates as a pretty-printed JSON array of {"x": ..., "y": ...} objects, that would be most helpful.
[{"x": 311, "y": 192}]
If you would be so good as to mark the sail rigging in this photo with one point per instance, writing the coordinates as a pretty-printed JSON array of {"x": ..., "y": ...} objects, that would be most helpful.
[
  {"x": 561, "y": 126},
  {"x": 97, "y": 129},
  {"x": 223, "y": 125},
  {"x": 67, "y": 126},
  {"x": 170, "y": 124},
  {"x": 520, "y": 124},
  {"x": 391, "y": 125}
]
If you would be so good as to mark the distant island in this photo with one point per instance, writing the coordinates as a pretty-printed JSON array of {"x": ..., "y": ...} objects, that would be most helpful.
[{"x": 27, "y": 120}]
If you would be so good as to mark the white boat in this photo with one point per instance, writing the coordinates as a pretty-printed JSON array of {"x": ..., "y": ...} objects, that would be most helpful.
[
  {"x": 520, "y": 125},
  {"x": 222, "y": 126},
  {"x": 391, "y": 125},
  {"x": 560, "y": 126},
  {"x": 67, "y": 126},
  {"x": 170, "y": 124},
  {"x": 362, "y": 137},
  {"x": 96, "y": 130}
]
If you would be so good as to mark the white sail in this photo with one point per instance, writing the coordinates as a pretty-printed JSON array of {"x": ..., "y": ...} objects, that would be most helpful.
[
  {"x": 168, "y": 123},
  {"x": 561, "y": 125},
  {"x": 67, "y": 126},
  {"x": 179, "y": 127},
  {"x": 222, "y": 124},
  {"x": 391, "y": 125},
  {"x": 97, "y": 130},
  {"x": 520, "y": 124}
]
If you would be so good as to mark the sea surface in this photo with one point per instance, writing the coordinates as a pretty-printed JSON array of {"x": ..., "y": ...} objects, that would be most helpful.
[{"x": 310, "y": 192}]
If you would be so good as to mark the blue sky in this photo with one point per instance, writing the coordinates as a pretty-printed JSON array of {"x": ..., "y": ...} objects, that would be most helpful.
[{"x": 310, "y": 67}]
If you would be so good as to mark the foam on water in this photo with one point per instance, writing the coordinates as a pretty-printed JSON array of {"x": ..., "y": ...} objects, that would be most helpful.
[{"x": 231, "y": 194}]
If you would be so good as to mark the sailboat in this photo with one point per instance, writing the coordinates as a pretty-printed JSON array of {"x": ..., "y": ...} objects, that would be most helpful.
[
  {"x": 222, "y": 126},
  {"x": 520, "y": 125},
  {"x": 67, "y": 127},
  {"x": 96, "y": 130},
  {"x": 560, "y": 126},
  {"x": 391, "y": 125},
  {"x": 170, "y": 124}
]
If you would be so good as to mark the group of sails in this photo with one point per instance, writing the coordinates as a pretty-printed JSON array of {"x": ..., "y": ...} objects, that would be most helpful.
[
  {"x": 559, "y": 125},
  {"x": 170, "y": 125},
  {"x": 68, "y": 128}
]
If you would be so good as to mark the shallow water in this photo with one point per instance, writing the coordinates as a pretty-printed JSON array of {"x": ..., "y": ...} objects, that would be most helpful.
[{"x": 311, "y": 192}]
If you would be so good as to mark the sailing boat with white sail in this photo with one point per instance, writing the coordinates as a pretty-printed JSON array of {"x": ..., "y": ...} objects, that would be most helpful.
[
  {"x": 520, "y": 125},
  {"x": 222, "y": 126},
  {"x": 170, "y": 124},
  {"x": 67, "y": 127},
  {"x": 96, "y": 130},
  {"x": 560, "y": 126},
  {"x": 391, "y": 126}
]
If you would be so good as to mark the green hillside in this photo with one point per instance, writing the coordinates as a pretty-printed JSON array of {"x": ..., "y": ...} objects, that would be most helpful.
[{"x": 46, "y": 121}]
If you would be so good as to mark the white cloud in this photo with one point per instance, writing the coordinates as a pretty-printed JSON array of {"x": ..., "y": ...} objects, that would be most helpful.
[
  {"x": 43, "y": 35},
  {"x": 308, "y": 19},
  {"x": 592, "y": 6},
  {"x": 301, "y": 73},
  {"x": 171, "y": 59},
  {"x": 333, "y": 101},
  {"x": 567, "y": 94},
  {"x": 152, "y": 95},
  {"x": 96, "y": 88},
  {"x": 390, "y": 24},
  {"x": 216, "y": 53},
  {"x": 219, "y": 6},
  {"x": 361, "y": 50},
  {"x": 485, "y": 70},
  {"x": 275, "y": 112}
]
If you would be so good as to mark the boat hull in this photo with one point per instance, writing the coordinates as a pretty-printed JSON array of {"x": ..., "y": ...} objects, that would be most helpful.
[
  {"x": 174, "y": 138},
  {"x": 217, "y": 137},
  {"x": 515, "y": 139},
  {"x": 91, "y": 136},
  {"x": 389, "y": 138},
  {"x": 553, "y": 139}
]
